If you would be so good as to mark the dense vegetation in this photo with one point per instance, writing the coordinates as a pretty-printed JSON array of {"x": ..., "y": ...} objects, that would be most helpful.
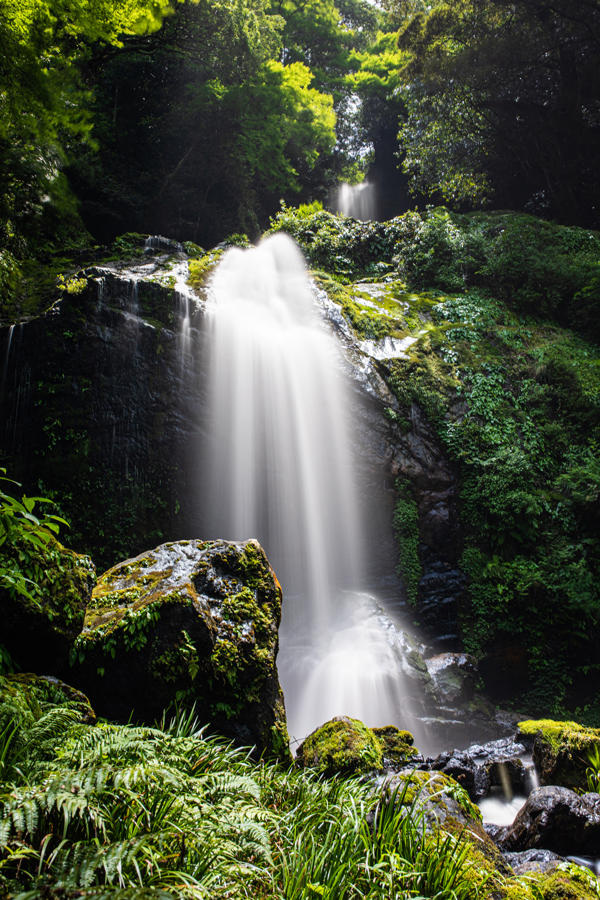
[
  {"x": 505, "y": 366},
  {"x": 194, "y": 119},
  {"x": 200, "y": 119},
  {"x": 100, "y": 810}
]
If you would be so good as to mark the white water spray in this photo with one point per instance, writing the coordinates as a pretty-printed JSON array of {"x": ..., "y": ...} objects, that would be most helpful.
[
  {"x": 280, "y": 468},
  {"x": 357, "y": 200}
]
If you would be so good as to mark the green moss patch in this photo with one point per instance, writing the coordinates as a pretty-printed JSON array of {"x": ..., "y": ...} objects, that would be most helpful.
[{"x": 343, "y": 746}]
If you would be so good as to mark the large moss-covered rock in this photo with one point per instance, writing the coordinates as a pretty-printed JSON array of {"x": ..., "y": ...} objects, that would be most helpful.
[
  {"x": 343, "y": 746},
  {"x": 565, "y": 882},
  {"x": 39, "y": 630},
  {"x": 192, "y": 621},
  {"x": 561, "y": 750}
]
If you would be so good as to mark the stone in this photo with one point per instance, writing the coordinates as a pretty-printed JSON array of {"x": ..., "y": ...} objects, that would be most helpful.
[
  {"x": 483, "y": 766},
  {"x": 532, "y": 861},
  {"x": 558, "y": 819},
  {"x": 454, "y": 676},
  {"x": 561, "y": 750},
  {"x": 24, "y": 696},
  {"x": 445, "y": 808},
  {"x": 39, "y": 631},
  {"x": 192, "y": 622},
  {"x": 398, "y": 747},
  {"x": 341, "y": 746}
]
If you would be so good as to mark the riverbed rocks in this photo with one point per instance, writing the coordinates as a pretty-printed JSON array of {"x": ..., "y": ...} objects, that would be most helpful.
[
  {"x": 193, "y": 622},
  {"x": 39, "y": 628},
  {"x": 561, "y": 750},
  {"x": 483, "y": 766},
  {"x": 558, "y": 819}
]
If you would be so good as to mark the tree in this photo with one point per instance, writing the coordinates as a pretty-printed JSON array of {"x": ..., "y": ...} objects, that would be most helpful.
[
  {"x": 42, "y": 101},
  {"x": 200, "y": 130},
  {"x": 503, "y": 103}
]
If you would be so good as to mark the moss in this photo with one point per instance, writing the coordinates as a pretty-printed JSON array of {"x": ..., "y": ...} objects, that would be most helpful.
[
  {"x": 200, "y": 268},
  {"x": 565, "y": 882},
  {"x": 406, "y": 528},
  {"x": 342, "y": 745},
  {"x": 397, "y": 745},
  {"x": 556, "y": 734},
  {"x": 561, "y": 750}
]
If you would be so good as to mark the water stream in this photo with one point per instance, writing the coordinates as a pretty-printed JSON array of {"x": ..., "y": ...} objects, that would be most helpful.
[
  {"x": 356, "y": 200},
  {"x": 280, "y": 468}
]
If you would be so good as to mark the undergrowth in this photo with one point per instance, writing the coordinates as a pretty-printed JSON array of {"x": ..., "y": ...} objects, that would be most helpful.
[{"x": 167, "y": 811}]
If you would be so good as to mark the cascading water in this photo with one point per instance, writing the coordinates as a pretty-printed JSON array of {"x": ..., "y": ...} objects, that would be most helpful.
[
  {"x": 280, "y": 468},
  {"x": 357, "y": 200}
]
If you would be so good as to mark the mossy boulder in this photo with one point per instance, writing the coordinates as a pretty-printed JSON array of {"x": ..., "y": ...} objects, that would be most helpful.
[
  {"x": 566, "y": 881},
  {"x": 448, "y": 813},
  {"x": 561, "y": 750},
  {"x": 341, "y": 746},
  {"x": 39, "y": 630},
  {"x": 24, "y": 698},
  {"x": 397, "y": 745},
  {"x": 192, "y": 622}
]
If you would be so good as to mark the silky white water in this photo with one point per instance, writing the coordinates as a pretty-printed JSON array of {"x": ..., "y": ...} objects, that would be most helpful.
[
  {"x": 280, "y": 468},
  {"x": 357, "y": 200}
]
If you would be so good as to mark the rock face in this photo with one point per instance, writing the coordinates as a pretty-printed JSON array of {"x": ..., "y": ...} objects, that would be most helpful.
[
  {"x": 417, "y": 457},
  {"x": 560, "y": 750},
  {"x": 341, "y": 746},
  {"x": 555, "y": 818},
  {"x": 192, "y": 621},
  {"x": 100, "y": 400},
  {"x": 454, "y": 676},
  {"x": 39, "y": 632}
]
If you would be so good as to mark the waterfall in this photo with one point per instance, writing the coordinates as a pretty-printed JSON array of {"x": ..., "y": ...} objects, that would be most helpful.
[
  {"x": 356, "y": 200},
  {"x": 280, "y": 468}
]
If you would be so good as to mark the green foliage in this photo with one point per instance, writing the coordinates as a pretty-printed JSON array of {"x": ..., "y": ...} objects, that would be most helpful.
[
  {"x": 25, "y": 539},
  {"x": 515, "y": 400},
  {"x": 101, "y": 808},
  {"x": 340, "y": 245},
  {"x": 406, "y": 528},
  {"x": 499, "y": 104},
  {"x": 45, "y": 105},
  {"x": 593, "y": 770}
]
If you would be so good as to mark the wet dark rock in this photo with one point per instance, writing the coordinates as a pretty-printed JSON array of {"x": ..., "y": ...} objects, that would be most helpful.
[
  {"x": 558, "y": 819},
  {"x": 101, "y": 402},
  {"x": 156, "y": 242},
  {"x": 454, "y": 676},
  {"x": 483, "y": 766},
  {"x": 532, "y": 861},
  {"x": 192, "y": 621}
]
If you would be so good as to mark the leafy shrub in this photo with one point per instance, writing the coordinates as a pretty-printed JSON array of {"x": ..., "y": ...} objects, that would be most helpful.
[{"x": 22, "y": 528}]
